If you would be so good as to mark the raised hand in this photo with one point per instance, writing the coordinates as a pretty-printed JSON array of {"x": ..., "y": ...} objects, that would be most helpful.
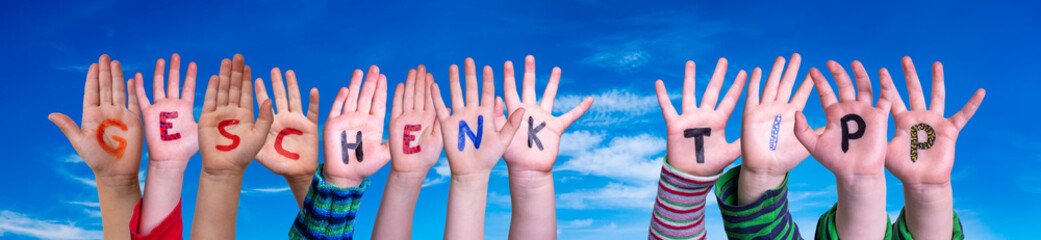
[
  {"x": 853, "y": 147},
  {"x": 768, "y": 145},
  {"x": 472, "y": 150},
  {"x": 229, "y": 138},
  {"x": 921, "y": 153},
  {"x": 109, "y": 142},
  {"x": 291, "y": 149},
  {"x": 172, "y": 138},
  {"x": 697, "y": 143},
  {"x": 353, "y": 141}
]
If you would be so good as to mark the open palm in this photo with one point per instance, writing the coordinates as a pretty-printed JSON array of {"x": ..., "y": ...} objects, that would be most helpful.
[
  {"x": 707, "y": 122},
  {"x": 537, "y": 152},
  {"x": 413, "y": 110},
  {"x": 354, "y": 115},
  {"x": 291, "y": 148},
  {"x": 228, "y": 136},
  {"x": 171, "y": 130},
  {"x": 767, "y": 129}
]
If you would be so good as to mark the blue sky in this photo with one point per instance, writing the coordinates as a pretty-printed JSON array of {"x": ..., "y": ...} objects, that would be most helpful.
[{"x": 611, "y": 50}]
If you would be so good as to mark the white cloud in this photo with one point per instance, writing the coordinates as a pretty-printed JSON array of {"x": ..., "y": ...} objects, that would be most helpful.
[
  {"x": 816, "y": 201},
  {"x": 629, "y": 158},
  {"x": 73, "y": 158},
  {"x": 577, "y": 223},
  {"x": 443, "y": 171},
  {"x": 502, "y": 200},
  {"x": 613, "y": 196},
  {"x": 609, "y": 107},
  {"x": 85, "y": 204},
  {"x": 20, "y": 224}
]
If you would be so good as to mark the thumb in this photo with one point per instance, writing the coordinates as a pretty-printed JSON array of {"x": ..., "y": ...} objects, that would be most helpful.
[
  {"x": 263, "y": 124},
  {"x": 67, "y": 126},
  {"x": 506, "y": 133},
  {"x": 804, "y": 133}
]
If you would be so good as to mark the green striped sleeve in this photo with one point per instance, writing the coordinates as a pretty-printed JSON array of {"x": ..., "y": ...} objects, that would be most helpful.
[
  {"x": 766, "y": 218},
  {"x": 328, "y": 211},
  {"x": 902, "y": 232}
]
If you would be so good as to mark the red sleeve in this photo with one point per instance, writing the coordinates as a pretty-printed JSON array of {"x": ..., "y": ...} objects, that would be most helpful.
[{"x": 170, "y": 228}]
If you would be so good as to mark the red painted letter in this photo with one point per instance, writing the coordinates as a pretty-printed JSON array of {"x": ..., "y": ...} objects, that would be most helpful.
[
  {"x": 278, "y": 143},
  {"x": 407, "y": 140},
  {"x": 234, "y": 138},
  {"x": 164, "y": 125},
  {"x": 121, "y": 142}
]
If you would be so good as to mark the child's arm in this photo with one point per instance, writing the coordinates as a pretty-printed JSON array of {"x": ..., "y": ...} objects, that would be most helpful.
[
  {"x": 228, "y": 139},
  {"x": 291, "y": 149},
  {"x": 471, "y": 148},
  {"x": 921, "y": 154},
  {"x": 415, "y": 145},
  {"x": 109, "y": 142},
  {"x": 172, "y": 137},
  {"x": 853, "y": 147},
  {"x": 531, "y": 154},
  {"x": 697, "y": 154}
]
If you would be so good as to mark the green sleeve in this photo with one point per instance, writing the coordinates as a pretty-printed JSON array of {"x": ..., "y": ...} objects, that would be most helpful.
[
  {"x": 328, "y": 211},
  {"x": 826, "y": 226},
  {"x": 766, "y": 218}
]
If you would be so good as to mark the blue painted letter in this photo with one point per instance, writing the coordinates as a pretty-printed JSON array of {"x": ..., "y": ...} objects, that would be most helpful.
[{"x": 464, "y": 131}]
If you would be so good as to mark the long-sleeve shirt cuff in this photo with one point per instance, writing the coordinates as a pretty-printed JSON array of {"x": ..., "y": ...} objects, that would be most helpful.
[
  {"x": 170, "y": 228},
  {"x": 902, "y": 232},
  {"x": 766, "y": 218},
  {"x": 328, "y": 211},
  {"x": 679, "y": 211},
  {"x": 826, "y": 227}
]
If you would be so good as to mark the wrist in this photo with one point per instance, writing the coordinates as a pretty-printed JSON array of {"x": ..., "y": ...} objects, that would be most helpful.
[
  {"x": 530, "y": 179},
  {"x": 861, "y": 183},
  {"x": 928, "y": 196},
  {"x": 342, "y": 182},
  {"x": 407, "y": 176},
  {"x": 471, "y": 178},
  {"x": 117, "y": 181}
]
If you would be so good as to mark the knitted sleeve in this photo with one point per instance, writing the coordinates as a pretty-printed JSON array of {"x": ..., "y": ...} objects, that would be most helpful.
[
  {"x": 826, "y": 226},
  {"x": 766, "y": 218},
  {"x": 328, "y": 211},
  {"x": 169, "y": 229},
  {"x": 679, "y": 211},
  {"x": 901, "y": 231}
]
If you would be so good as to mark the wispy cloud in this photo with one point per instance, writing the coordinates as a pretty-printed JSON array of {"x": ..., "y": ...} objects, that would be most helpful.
[
  {"x": 21, "y": 224},
  {"x": 629, "y": 158},
  {"x": 443, "y": 171},
  {"x": 644, "y": 40},
  {"x": 622, "y": 196},
  {"x": 611, "y": 107}
]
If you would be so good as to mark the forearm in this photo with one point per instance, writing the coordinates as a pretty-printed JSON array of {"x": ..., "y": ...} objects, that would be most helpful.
[
  {"x": 928, "y": 209},
  {"x": 754, "y": 183},
  {"x": 534, "y": 205},
  {"x": 861, "y": 207},
  {"x": 162, "y": 193},
  {"x": 394, "y": 219},
  {"x": 117, "y": 196},
  {"x": 467, "y": 196},
  {"x": 679, "y": 208},
  {"x": 217, "y": 205},
  {"x": 298, "y": 185}
]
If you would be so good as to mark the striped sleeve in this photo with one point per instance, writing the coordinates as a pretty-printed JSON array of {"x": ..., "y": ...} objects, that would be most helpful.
[
  {"x": 766, "y": 218},
  {"x": 328, "y": 211},
  {"x": 679, "y": 211},
  {"x": 901, "y": 232},
  {"x": 826, "y": 226}
]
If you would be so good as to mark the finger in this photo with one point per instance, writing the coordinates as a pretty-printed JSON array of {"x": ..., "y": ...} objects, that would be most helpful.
[
  {"x": 499, "y": 112},
  {"x": 312, "y": 106},
  {"x": 295, "y": 105},
  {"x": 510, "y": 86},
  {"x": 139, "y": 91},
  {"x": 889, "y": 89},
  {"x": 209, "y": 102},
  {"x": 730, "y": 100},
  {"x": 279, "y": 90},
  {"x": 119, "y": 97},
  {"x": 263, "y": 124},
  {"x": 864, "y": 91},
  {"x": 690, "y": 99},
  {"x": 667, "y": 110},
  {"x": 827, "y": 96},
  {"x": 511, "y": 127},
  {"x": 773, "y": 80},
  {"x": 428, "y": 104},
  {"x": 804, "y": 133},
  {"x": 435, "y": 133},
  {"x": 847, "y": 92},
  {"x": 337, "y": 109},
  {"x": 379, "y": 102},
  {"x": 238, "y": 68},
  {"x": 173, "y": 89},
  {"x": 246, "y": 96},
  {"x": 801, "y": 95},
  {"x": 962, "y": 117},
  {"x": 132, "y": 103},
  {"x": 488, "y": 88},
  {"x": 188, "y": 94},
  {"x": 939, "y": 91},
  {"x": 752, "y": 96},
  {"x": 571, "y": 116},
  {"x": 395, "y": 109},
  {"x": 90, "y": 87},
  {"x": 67, "y": 126},
  {"x": 550, "y": 94},
  {"x": 261, "y": 93},
  {"x": 439, "y": 103},
  {"x": 471, "y": 84},
  {"x": 410, "y": 90},
  {"x": 455, "y": 88},
  {"x": 421, "y": 90},
  {"x": 528, "y": 95},
  {"x": 915, "y": 97},
  {"x": 784, "y": 90},
  {"x": 351, "y": 102},
  {"x": 225, "y": 82},
  {"x": 105, "y": 80},
  {"x": 711, "y": 97},
  {"x": 368, "y": 90}
]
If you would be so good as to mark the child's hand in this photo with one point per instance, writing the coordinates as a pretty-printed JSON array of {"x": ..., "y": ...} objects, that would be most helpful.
[
  {"x": 474, "y": 149},
  {"x": 228, "y": 136},
  {"x": 415, "y": 133},
  {"x": 697, "y": 143},
  {"x": 172, "y": 133},
  {"x": 353, "y": 132},
  {"x": 768, "y": 141},
  {"x": 535, "y": 148},
  {"x": 291, "y": 149},
  {"x": 110, "y": 140}
]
